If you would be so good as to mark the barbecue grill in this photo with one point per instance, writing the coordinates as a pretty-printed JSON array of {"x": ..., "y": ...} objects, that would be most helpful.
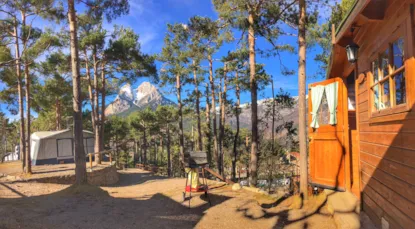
[{"x": 195, "y": 160}]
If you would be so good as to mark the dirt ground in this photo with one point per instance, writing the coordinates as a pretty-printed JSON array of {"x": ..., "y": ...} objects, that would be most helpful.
[
  {"x": 143, "y": 200},
  {"x": 15, "y": 169}
]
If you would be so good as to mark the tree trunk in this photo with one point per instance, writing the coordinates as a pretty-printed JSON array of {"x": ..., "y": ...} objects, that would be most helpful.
[
  {"x": 223, "y": 116},
  {"x": 22, "y": 138},
  {"x": 181, "y": 134},
  {"x": 94, "y": 106},
  {"x": 273, "y": 118},
  {"x": 91, "y": 95},
  {"x": 215, "y": 135},
  {"x": 139, "y": 151},
  {"x": 220, "y": 138},
  {"x": 162, "y": 150},
  {"x": 97, "y": 129},
  {"x": 135, "y": 151},
  {"x": 193, "y": 139},
  {"x": 156, "y": 152},
  {"x": 103, "y": 94},
  {"x": 28, "y": 162},
  {"x": 254, "y": 106},
  {"x": 27, "y": 89},
  {"x": 236, "y": 139},
  {"x": 199, "y": 125},
  {"x": 209, "y": 127},
  {"x": 80, "y": 165},
  {"x": 58, "y": 114},
  {"x": 117, "y": 155},
  {"x": 145, "y": 148},
  {"x": 270, "y": 160},
  {"x": 169, "y": 172},
  {"x": 302, "y": 130}
]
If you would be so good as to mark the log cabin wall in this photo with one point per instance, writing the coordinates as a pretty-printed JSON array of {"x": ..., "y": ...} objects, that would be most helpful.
[{"x": 386, "y": 138}]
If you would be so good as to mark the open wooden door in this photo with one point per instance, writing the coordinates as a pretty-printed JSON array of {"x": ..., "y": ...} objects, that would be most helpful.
[{"x": 327, "y": 148}]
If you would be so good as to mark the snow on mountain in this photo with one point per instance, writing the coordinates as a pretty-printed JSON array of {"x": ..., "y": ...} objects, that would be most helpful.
[
  {"x": 126, "y": 92},
  {"x": 129, "y": 99}
]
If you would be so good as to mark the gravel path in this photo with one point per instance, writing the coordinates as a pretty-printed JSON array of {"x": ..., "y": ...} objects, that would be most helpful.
[{"x": 142, "y": 200}]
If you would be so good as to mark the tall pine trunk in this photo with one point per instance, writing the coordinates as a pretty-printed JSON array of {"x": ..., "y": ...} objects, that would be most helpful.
[
  {"x": 302, "y": 132},
  {"x": 254, "y": 105},
  {"x": 20, "y": 94},
  {"x": 236, "y": 138},
  {"x": 181, "y": 134},
  {"x": 223, "y": 116},
  {"x": 169, "y": 172},
  {"x": 90, "y": 93},
  {"x": 215, "y": 134},
  {"x": 199, "y": 125},
  {"x": 92, "y": 100},
  {"x": 80, "y": 165},
  {"x": 145, "y": 147},
  {"x": 162, "y": 150},
  {"x": 209, "y": 127},
  {"x": 58, "y": 115},
  {"x": 97, "y": 131},
  {"x": 28, "y": 162},
  {"x": 220, "y": 138},
  {"x": 103, "y": 95},
  {"x": 273, "y": 118}
]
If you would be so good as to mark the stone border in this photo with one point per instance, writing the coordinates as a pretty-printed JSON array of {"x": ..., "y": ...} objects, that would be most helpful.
[{"x": 104, "y": 176}]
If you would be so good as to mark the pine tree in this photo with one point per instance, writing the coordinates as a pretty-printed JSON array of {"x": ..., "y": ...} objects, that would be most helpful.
[
  {"x": 146, "y": 122},
  {"x": 54, "y": 95},
  {"x": 175, "y": 58},
  {"x": 34, "y": 42},
  {"x": 111, "y": 9},
  {"x": 257, "y": 18},
  {"x": 237, "y": 65},
  {"x": 196, "y": 55},
  {"x": 302, "y": 99},
  {"x": 211, "y": 35},
  {"x": 166, "y": 115}
]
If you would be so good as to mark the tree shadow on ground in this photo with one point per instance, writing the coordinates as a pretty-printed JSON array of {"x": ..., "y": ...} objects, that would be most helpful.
[
  {"x": 286, "y": 214},
  {"x": 129, "y": 179},
  {"x": 92, "y": 207}
]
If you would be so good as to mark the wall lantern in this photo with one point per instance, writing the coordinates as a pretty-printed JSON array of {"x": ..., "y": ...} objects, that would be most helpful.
[
  {"x": 352, "y": 49},
  {"x": 352, "y": 52}
]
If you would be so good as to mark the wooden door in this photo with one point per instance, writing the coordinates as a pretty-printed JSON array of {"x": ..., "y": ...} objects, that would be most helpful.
[{"x": 327, "y": 148}]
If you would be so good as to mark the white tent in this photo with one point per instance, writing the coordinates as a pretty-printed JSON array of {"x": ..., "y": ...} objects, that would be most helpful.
[{"x": 53, "y": 147}]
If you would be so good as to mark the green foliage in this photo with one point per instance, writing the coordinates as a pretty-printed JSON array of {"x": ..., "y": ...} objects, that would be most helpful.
[
  {"x": 322, "y": 34},
  {"x": 124, "y": 55},
  {"x": 111, "y": 9},
  {"x": 56, "y": 87},
  {"x": 144, "y": 120},
  {"x": 209, "y": 35},
  {"x": 117, "y": 130},
  {"x": 45, "y": 121},
  {"x": 175, "y": 54},
  {"x": 8, "y": 136}
]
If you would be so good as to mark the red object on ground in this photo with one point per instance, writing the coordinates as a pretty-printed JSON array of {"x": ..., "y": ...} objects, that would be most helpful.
[{"x": 201, "y": 188}]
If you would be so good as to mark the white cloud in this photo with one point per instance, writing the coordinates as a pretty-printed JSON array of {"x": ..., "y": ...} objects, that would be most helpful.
[{"x": 136, "y": 7}]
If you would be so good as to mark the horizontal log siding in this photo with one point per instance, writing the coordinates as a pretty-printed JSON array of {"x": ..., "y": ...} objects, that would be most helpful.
[{"x": 387, "y": 150}]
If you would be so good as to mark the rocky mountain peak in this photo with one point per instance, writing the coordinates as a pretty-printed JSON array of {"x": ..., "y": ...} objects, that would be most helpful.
[{"x": 129, "y": 99}]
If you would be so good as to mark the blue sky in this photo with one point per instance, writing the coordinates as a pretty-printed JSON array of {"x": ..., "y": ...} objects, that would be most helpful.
[{"x": 148, "y": 18}]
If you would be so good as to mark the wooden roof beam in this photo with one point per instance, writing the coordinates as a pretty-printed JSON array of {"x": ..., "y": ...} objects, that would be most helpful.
[{"x": 375, "y": 10}]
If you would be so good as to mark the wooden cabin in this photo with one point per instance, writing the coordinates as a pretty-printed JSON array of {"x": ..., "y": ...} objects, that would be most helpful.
[{"x": 362, "y": 134}]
